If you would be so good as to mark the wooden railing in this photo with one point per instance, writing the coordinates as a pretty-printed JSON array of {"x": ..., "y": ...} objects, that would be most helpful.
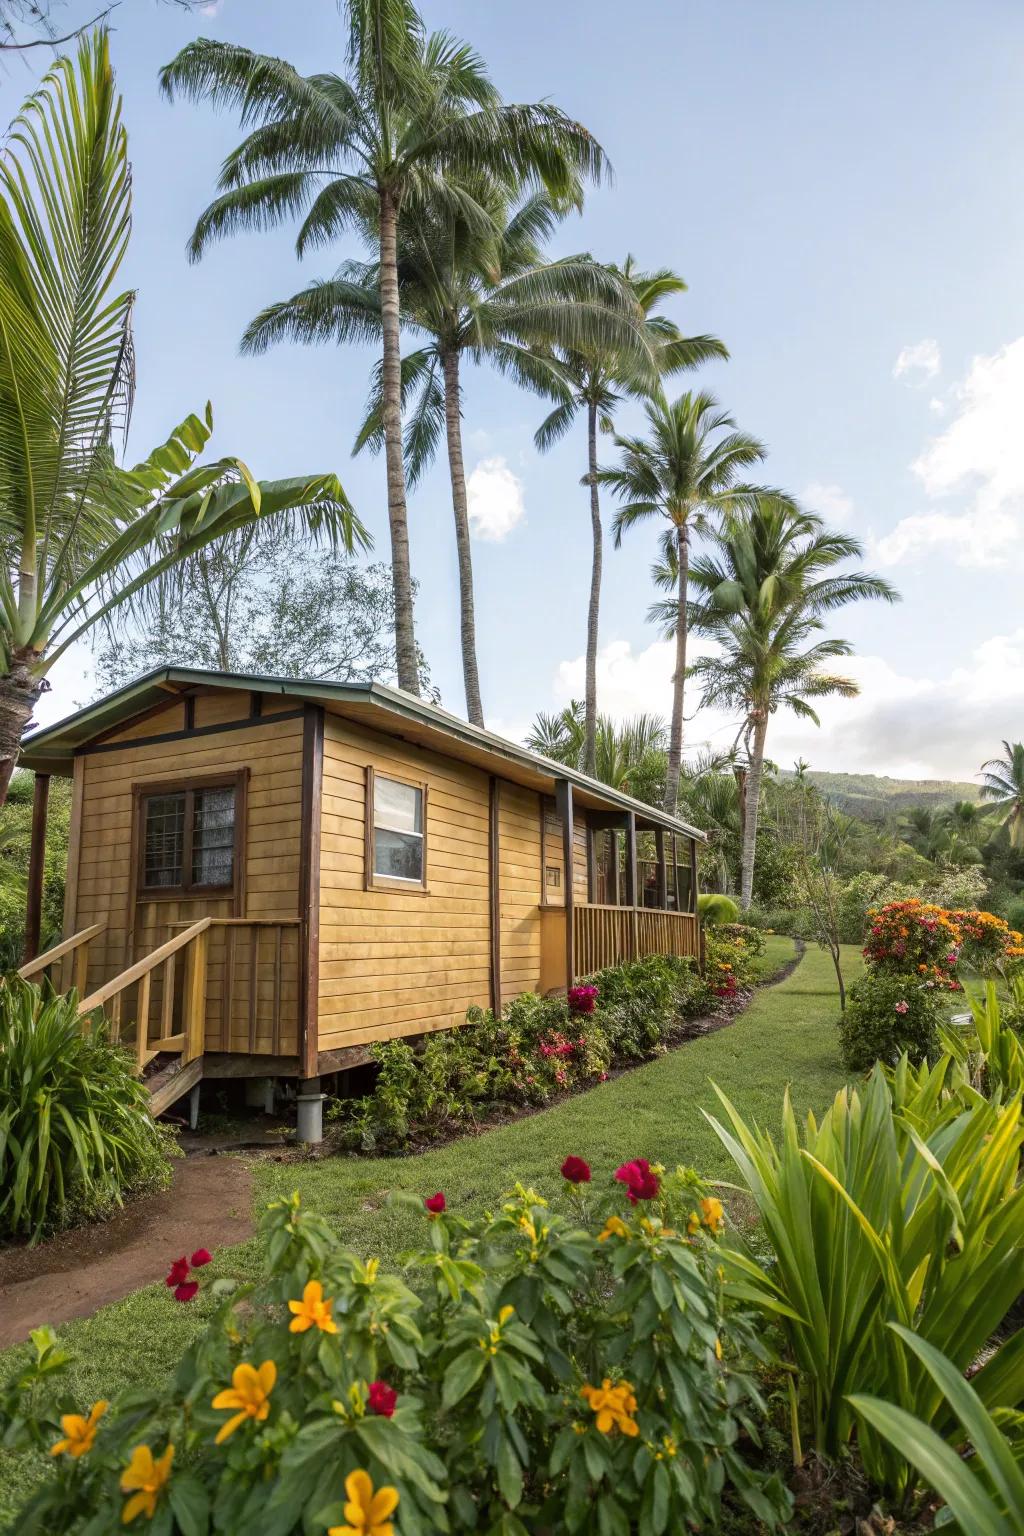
[
  {"x": 604, "y": 935},
  {"x": 252, "y": 1001},
  {"x": 73, "y": 953},
  {"x": 186, "y": 1036}
]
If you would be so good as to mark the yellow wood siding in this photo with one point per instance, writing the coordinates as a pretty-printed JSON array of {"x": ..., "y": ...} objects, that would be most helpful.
[
  {"x": 396, "y": 962},
  {"x": 160, "y": 723},
  {"x": 272, "y": 753},
  {"x": 519, "y": 888}
]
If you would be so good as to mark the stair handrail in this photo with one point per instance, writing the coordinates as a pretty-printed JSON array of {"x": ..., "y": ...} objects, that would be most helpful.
[
  {"x": 142, "y": 967},
  {"x": 58, "y": 951}
]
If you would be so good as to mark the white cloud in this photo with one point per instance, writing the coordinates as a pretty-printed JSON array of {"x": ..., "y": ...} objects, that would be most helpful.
[
  {"x": 979, "y": 454},
  {"x": 919, "y": 362},
  {"x": 495, "y": 499},
  {"x": 906, "y": 726},
  {"x": 211, "y": 7},
  {"x": 831, "y": 501}
]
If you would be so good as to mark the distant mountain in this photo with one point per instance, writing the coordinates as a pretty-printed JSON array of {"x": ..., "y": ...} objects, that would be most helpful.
[{"x": 872, "y": 796}]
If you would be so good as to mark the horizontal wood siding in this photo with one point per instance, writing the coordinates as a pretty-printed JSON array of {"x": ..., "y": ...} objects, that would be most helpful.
[
  {"x": 272, "y": 752},
  {"x": 519, "y": 885},
  {"x": 396, "y": 962}
]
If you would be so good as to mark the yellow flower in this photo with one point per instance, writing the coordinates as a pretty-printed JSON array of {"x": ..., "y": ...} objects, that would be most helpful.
[
  {"x": 366, "y": 1512},
  {"x": 250, "y": 1393},
  {"x": 79, "y": 1433},
  {"x": 143, "y": 1478},
  {"x": 714, "y": 1214},
  {"x": 613, "y": 1227},
  {"x": 718, "y": 1348},
  {"x": 614, "y": 1406},
  {"x": 692, "y": 1224},
  {"x": 312, "y": 1311}
]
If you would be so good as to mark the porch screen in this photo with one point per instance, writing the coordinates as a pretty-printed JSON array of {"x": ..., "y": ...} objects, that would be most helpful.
[
  {"x": 188, "y": 840},
  {"x": 397, "y": 830}
]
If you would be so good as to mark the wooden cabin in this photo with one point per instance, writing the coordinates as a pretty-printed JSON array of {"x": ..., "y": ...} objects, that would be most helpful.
[{"x": 266, "y": 876}]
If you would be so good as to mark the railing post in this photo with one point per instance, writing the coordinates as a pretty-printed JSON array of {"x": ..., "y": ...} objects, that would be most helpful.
[
  {"x": 80, "y": 962},
  {"x": 195, "y": 998},
  {"x": 631, "y": 890},
  {"x": 142, "y": 1022},
  {"x": 661, "y": 870},
  {"x": 563, "y": 803},
  {"x": 36, "y": 865}
]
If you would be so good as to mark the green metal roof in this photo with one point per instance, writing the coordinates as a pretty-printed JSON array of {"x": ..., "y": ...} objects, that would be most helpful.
[{"x": 52, "y": 748}]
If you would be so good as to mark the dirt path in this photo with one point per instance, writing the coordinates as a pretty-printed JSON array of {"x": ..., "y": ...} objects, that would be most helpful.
[{"x": 209, "y": 1204}]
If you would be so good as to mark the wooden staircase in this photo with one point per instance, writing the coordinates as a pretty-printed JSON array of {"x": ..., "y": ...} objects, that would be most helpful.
[{"x": 181, "y": 1032}]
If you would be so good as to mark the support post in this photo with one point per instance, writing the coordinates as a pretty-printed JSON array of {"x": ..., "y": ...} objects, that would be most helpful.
[
  {"x": 494, "y": 884},
  {"x": 616, "y": 875},
  {"x": 36, "y": 866},
  {"x": 662, "y": 871},
  {"x": 631, "y": 878},
  {"x": 563, "y": 803},
  {"x": 309, "y": 887},
  {"x": 310, "y": 1117}
]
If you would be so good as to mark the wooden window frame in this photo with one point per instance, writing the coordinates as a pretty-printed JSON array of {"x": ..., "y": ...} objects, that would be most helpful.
[
  {"x": 238, "y": 780},
  {"x": 373, "y": 881}
]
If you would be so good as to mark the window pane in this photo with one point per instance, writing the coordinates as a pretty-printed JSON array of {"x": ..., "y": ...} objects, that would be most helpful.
[
  {"x": 397, "y": 806},
  {"x": 398, "y": 855},
  {"x": 213, "y": 837},
  {"x": 164, "y": 840}
]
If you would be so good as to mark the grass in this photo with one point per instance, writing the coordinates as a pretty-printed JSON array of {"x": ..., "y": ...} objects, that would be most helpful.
[{"x": 787, "y": 1035}]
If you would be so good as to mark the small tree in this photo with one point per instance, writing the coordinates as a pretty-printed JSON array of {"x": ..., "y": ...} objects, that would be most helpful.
[{"x": 819, "y": 881}]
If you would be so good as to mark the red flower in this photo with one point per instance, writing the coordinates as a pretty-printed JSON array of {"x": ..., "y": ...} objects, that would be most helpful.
[
  {"x": 582, "y": 999},
  {"x": 641, "y": 1183},
  {"x": 178, "y": 1272},
  {"x": 200, "y": 1257},
  {"x": 435, "y": 1204},
  {"x": 381, "y": 1399},
  {"x": 186, "y": 1290},
  {"x": 576, "y": 1170}
]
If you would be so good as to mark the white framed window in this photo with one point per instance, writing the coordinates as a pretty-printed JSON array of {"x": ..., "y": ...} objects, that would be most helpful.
[{"x": 396, "y": 840}]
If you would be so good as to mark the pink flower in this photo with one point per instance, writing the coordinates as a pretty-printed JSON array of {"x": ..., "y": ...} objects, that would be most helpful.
[
  {"x": 902, "y": 1007},
  {"x": 582, "y": 999},
  {"x": 641, "y": 1183},
  {"x": 381, "y": 1399},
  {"x": 576, "y": 1170}
]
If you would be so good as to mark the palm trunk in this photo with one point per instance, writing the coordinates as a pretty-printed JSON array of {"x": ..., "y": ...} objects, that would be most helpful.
[
  {"x": 460, "y": 506},
  {"x": 593, "y": 611},
  {"x": 405, "y": 635},
  {"x": 752, "y": 807},
  {"x": 19, "y": 693},
  {"x": 675, "y": 737}
]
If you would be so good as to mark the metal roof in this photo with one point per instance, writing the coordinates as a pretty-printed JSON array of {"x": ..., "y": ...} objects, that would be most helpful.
[{"x": 52, "y": 748}]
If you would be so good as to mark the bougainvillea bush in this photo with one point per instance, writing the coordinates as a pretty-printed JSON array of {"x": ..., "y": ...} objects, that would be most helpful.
[
  {"x": 538, "y": 1048},
  {"x": 886, "y": 1015},
  {"x": 578, "y": 1372},
  {"x": 918, "y": 938}
]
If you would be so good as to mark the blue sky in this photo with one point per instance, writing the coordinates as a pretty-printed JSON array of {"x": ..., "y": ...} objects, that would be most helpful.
[{"x": 841, "y": 187}]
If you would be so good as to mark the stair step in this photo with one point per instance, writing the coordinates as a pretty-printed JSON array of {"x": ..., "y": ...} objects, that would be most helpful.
[{"x": 167, "y": 1085}]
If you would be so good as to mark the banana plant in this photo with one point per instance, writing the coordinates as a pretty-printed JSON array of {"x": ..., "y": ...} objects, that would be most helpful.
[
  {"x": 82, "y": 533},
  {"x": 886, "y": 1211},
  {"x": 984, "y": 1492}
]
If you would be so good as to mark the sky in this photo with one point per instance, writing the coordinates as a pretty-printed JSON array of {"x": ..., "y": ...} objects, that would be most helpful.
[{"x": 841, "y": 187}]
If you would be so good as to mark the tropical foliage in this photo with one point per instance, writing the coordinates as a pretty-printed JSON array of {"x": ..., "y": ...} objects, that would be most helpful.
[
  {"x": 1003, "y": 785},
  {"x": 76, "y": 1135},
  {"x": 82, "y": 534}
]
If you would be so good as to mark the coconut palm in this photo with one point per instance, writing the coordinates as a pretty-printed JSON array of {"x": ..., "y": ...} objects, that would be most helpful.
[
  {"x": 468, "y": 292},
  {"x": 596, "y": 381},
  {"x": 82, "y": 534},
  {"x": 763, "y": 589},
  {"x": 686, "y": 471},
  {"x": 630, "y": 753},
  {"x": 415, "y": 119},
  {"x": 1003, "y": 785}
]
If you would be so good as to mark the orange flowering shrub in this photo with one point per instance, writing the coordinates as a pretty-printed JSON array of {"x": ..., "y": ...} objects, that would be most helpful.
[{"x": 918, "y": 938}]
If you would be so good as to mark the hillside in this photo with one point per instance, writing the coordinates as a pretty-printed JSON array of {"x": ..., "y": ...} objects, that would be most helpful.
[{"x": 871, "y": 796}]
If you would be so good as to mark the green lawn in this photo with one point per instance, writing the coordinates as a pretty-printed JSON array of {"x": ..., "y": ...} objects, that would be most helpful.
[{"x": 787, "y": 1035}]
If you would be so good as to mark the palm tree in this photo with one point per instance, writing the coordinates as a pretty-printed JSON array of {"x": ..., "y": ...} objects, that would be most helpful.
[
  {"x": 686, "y": 471},
  {"x": 416, "y": 118},
  {"x": 596, "y": 380},
  {"x": 1003, "y": 784},
  {"x": 82, "y": 534},
  {"x": 762, "y": 592},
  {"x": 468, "y": 292},
  {"x": 630, "y": 754}
]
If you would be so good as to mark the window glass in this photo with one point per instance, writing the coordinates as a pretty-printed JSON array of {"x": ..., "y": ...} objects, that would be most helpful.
[
  {"x": 164, "y": 840},
  {"x": 397, "y": 830},
  {"x": 397, "y": 806},
  {"x": 213, "y": 837}
]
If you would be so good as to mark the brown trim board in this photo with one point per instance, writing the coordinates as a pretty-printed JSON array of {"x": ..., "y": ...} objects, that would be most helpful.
[{"x": 309, "y": 886}]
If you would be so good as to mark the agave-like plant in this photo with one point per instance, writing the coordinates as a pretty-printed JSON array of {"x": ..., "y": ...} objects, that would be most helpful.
[
  {"x": 81, "y": 534},
  {"x": 910, "y": 1212}
]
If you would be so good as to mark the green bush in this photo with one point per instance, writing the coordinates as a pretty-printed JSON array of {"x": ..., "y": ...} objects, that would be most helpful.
[
  {"x": 887, "y": 1015},
  {"x": 573, "y": 1373},
  {"x": 1014, "y": 913},
  {"x": 714, "y": 907},
  {"x": 539, "y": 1047},
  {"x": 792, "y": 922},
  {"x": 76, "y": 1134}
]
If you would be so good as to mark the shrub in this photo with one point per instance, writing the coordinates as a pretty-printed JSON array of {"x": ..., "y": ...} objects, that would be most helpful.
[
  {"x": 729, "y": 953},
  {"x": 713, "y": 907},
  {"x": 568, "y": 1373},
  {"x": 76, "y": 1134},
  {"x": 880, "y": 1211},
  {"x": 1015, "y": 913},
  {"x": 864, "y": 892},
  {"x": 887, "y": 1015},
  {"x": 913, "y": 937},
  {"x": 794, "y": 922}
]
